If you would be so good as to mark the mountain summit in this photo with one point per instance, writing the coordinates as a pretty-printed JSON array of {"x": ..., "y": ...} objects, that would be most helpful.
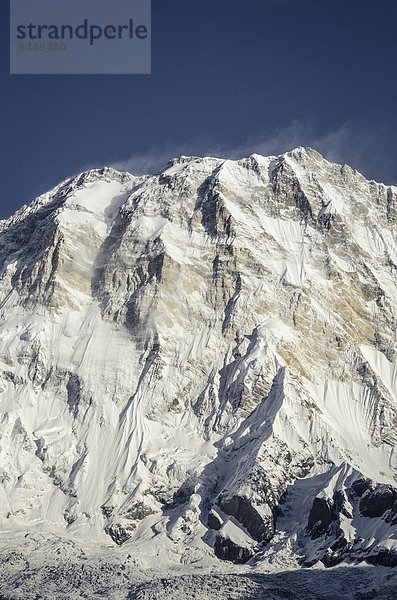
[{"x": 201, "y": 363}]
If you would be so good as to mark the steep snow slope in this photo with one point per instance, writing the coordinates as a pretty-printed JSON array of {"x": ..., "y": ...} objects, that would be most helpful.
[{"x": 202, "y": 363}]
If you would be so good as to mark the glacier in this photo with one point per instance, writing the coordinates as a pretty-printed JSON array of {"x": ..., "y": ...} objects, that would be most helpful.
[{"x": 198, "y": 371}]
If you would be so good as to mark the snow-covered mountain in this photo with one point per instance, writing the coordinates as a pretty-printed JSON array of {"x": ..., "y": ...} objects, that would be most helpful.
[{"x": 201, "y": 364}]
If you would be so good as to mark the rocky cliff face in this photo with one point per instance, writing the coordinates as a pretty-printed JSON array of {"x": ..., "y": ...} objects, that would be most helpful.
[{"x": 203, "y": 362}]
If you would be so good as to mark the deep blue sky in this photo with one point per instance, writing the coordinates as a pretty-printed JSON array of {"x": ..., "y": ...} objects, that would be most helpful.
[{"x": 228, "y": 77}]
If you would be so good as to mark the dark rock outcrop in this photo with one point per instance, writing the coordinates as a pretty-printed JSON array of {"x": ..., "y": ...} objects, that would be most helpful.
[
  {"x": 118, "y": 533},
  {"x": 226, "y": 549},
  {"x": 360, "y": 486},
  {"x": 214, "y": 520},
  {"x": 385, "y": 558},
  {"x": 338, "y": 550},
  {"x": 320, "y": 517},
  {"x": 260, "y": 528},
  {"x": 375, "y": 502}
]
